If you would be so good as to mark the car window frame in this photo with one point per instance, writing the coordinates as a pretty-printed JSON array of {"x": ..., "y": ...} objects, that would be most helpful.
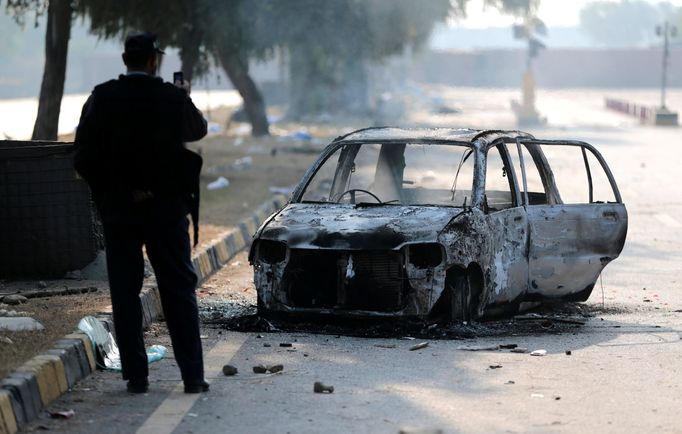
[{"x": 329, "y": 150}]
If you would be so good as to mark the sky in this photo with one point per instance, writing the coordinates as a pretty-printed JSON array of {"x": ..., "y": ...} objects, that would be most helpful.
[{"x": 555, "y": 13}]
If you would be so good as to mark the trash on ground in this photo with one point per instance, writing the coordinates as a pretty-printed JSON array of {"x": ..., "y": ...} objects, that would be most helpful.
[
  {"x": 495, "y": 366},
  {"x": 285, "y": 344},
  {"x": 508, "y": 346},
  {"x": 229, "y": 370},
  {"x": 218, "y": 184},
  {"x": 384, "y": 345},
  {"x": 273, "y": 369},
  {"x": 260, "y": 369},
  {"x": 302, "y": 135},
  {"x": 537, "y": 395},
  {"x": 539, "y": 353},
  {"x": 319, "y": 387},
  {"x": 407, "y": 338},
  {"x": 419, "y": 346},
  {"x": 519, "y": 350},
  {"x": 6, "y": 340},
  {"x": 66, "y": 414},
  {"x": 283, "y": 190},
  {"x": 479, "y": 347},
  {"x": 106, "y": 349},
  {"x": 266, "y": 345},
  {"x": 568, "y": 352},
  {"x": 510, "y": 382}
]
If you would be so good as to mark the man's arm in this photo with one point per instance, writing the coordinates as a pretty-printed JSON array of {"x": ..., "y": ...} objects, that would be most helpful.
[
  {"x": 87, "y": 159},
  {"x": 194, "y": 126}
]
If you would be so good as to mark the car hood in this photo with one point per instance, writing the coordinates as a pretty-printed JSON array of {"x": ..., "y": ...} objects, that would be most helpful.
[{"x": 337, "y": 226}]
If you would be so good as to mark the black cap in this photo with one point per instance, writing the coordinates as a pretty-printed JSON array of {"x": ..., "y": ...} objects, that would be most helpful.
[{"x": 142, "y": 44}]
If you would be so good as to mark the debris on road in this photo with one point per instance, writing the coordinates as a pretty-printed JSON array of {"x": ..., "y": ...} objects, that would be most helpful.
[
  {"x": 66, "y": 414},
  {"x": 419, "y": 346},
  {"x": 495, "y": 366},
  {"x": 539, "y": 353},
  {"x": 537, "y": 395},
  {"x": 508, "y": 346},
  {"x": 568, "y": 352},
  {"x": 273, "y": 369},
  {"x": 286, "y": 344},
  {"x": 319, "y": 387},
  {"x": 384, "y": 345},
  {"x": 229, "y": 370},
  {"x": 510, "y": 382},
  {"x": 266, "y": 345},
  {"x": 219, "y": 183},
  {"x": 478, "y": 347},
  {"x": 519, "y": 350},
  {"x": 260, "y": 369}
]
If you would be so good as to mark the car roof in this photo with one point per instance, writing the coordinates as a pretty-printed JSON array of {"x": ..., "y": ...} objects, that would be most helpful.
[{"x": 430, "y": 134}]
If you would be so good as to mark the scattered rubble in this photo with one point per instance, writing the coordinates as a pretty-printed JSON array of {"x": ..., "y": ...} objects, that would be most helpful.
[
  {"x": 66, "y": 414},
  {"x": 14, "y": 299},
  {"x": 285, "y": 344},
  {"x": 273, "y": 369},
  {"x": 229, "y": 370},
  {"x": 539, "y": 353},
  {"x": 478, "y": 347},
  {"x": 260, "y": 369},
  {"x": 419, "y": 346},
  {"x": 319, "y": 387}
]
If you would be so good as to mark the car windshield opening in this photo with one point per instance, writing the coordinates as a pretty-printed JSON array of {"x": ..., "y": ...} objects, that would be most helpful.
[{"x": 395, "y": 174}]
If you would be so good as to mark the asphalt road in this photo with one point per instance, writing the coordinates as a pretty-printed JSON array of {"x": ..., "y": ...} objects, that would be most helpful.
[{"x": 622, "y": 374}]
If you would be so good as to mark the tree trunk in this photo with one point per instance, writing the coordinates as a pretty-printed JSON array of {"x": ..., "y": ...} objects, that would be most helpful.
[
  {"x": 57, "y": 37},
  {"x": 189, "y": 53},
  {"x": 238, "y": 71}
]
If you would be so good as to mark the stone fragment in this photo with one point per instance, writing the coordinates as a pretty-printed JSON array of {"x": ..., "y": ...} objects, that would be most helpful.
[
  {"x": 419, "y": 346},
  {"x": 260, "y": 369},
  {"x": 19, "y": 324},
  {"x": 319, "y": 387},
  {"x": 229, "y": 370},
  {"x": 14, "y": 299},
  {"x": 275, "y": 368}
]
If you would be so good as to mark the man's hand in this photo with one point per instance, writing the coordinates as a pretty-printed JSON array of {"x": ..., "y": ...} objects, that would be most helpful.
[
  {"x": 184, "y": 84},
  {"x": 140, "y": 196}
]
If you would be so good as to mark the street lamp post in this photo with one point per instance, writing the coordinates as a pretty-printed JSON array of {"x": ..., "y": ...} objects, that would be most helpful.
[{"x": 664, "y": 116}]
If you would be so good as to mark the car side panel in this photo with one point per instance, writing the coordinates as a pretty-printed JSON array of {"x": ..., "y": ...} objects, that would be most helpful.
[{"x": 571, "y": 244}]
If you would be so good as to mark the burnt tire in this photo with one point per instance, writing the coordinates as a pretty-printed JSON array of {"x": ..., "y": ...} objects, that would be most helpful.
[{"x": 459, "y": 297}]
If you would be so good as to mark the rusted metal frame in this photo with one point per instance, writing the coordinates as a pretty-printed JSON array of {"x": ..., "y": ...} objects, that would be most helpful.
[
  {"x": 336, "y": 144},
  {"x": 589, "y": 175},
  {"x": 511, "y": 173},
  {"x": 523, "y": 173},
  {"x": 343, "y": 169},
  {"x": 592, "y": 149},
  {"x": 478, "y": 189}
]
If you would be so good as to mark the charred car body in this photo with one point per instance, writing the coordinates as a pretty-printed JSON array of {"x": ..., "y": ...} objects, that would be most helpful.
[{"x": 413, "y": 222}]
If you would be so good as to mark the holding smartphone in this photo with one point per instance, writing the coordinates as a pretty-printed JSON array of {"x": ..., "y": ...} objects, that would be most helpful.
[{"x": 178, "y": 77}]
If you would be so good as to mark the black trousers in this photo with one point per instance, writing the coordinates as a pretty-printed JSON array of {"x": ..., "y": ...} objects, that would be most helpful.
[{"x": 168, "y": 247}]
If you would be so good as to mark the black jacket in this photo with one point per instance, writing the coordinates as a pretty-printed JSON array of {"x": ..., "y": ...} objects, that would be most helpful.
[{"x": 130, "y": 137}]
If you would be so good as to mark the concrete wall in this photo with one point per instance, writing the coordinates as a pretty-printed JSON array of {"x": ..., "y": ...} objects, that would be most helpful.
[{"x": 557, "y": 68}]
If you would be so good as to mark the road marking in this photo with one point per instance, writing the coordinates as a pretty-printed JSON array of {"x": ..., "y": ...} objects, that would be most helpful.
[
  {"x": 171, "y": 411},
  {"x": 668, "y": 220}
]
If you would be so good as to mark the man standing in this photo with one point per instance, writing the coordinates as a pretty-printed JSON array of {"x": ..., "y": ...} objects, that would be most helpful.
[{"x": 129, "y": 148}]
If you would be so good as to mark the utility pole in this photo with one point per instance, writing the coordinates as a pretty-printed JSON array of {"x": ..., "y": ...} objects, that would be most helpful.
[
  {"x": 526, "y": 113},
  {"x": 663, "y": 115}
]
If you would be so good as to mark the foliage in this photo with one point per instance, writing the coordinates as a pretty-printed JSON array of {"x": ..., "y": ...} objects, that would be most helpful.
[
  {"x": 624, "y": 24},
  {"x": 19, "y": 9}
]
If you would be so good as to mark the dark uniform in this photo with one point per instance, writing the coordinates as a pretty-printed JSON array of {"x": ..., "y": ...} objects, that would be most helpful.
[{"x": 130, "y": 138}]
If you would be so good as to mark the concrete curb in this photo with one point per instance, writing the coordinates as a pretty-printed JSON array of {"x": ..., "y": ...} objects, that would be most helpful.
[{"x": 25, "y": 392}]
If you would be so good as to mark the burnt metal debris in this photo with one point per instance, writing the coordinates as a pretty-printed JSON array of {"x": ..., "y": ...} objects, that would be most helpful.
[{"x": 392, "y": 222}]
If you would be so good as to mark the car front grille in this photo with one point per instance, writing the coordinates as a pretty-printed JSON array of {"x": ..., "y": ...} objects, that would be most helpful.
[{"x": 375, "y": 280}]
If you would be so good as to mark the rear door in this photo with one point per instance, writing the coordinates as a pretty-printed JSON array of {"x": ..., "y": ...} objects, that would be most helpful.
[{"x": 576, "y": 216}]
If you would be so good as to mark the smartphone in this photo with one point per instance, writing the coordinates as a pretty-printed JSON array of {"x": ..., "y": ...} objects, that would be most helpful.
[{"x": 178, "y": 76}]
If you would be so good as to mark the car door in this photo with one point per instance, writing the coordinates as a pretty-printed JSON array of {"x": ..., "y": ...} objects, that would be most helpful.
[
  {"x": 506, "y": 219},
  {"x": 577, "y": 224}
]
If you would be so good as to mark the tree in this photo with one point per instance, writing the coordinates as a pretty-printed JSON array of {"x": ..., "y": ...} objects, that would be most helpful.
[
  {"x": 624, "y": 24},
  {"x": 201, "y": 29},
  {"x": 330, "y": 47},
  {"x": 57, "y": 34}
]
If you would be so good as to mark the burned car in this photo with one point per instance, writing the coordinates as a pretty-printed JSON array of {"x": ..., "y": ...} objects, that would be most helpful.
[{"x": 415, "y": 222}]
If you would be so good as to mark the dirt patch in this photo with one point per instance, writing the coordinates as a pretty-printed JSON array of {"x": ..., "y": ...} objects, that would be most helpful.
[{"x": 59, "y": 315}]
